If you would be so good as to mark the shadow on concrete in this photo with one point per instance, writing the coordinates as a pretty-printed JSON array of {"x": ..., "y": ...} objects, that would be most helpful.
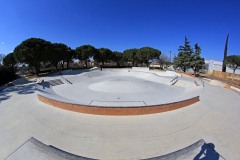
[
  {"x": 207, "y": 152},
  {"x": 34, "y": 148},
  {"x": 19, "y": 89},
  {"x": 68, "y": 72}
]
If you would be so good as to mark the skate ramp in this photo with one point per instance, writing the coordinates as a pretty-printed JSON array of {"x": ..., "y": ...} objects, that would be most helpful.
[{"x": 33, "y": 149}]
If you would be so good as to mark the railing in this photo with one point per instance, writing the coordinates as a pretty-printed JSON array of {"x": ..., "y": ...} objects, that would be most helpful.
[
  {"x": 203, "y": 84},
  {"x": 174, "y": 80},
  {"x": 39, "y": 80},
  {"x": 65, "y": 80}
]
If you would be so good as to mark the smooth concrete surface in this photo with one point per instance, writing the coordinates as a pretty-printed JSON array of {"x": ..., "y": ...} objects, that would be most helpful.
[
  {"x": 124, "y": 87},
  {"x": 33, "y": 149},
  {"x": 215, "y": 119}
]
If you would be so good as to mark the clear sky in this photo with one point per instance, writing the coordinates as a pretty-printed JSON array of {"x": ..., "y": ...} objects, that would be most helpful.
[{"x": 123, "y": 24}]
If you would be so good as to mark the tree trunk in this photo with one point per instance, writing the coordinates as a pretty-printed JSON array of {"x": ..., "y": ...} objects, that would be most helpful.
[
  {"x": 67, "y": 64},
  {"x": 86, "y": 64},
  {"x": 147, "y": 63},
  {"x": 56, "y": 66},
  {"x": 62, "y": 65},
  {"x": 36, "y": 70},
  {"x": 234, "y": 69},
  {"x": 184, "y": 69}
]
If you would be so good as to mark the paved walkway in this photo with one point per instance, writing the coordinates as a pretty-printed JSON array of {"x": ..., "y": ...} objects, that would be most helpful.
[{"x": 214, "y": 119}]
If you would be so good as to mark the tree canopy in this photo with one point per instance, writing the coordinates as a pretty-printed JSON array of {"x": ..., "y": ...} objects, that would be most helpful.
[
  {"x": 233, "y": 62},
  {"x": 129, "y": 55},
  {"x": 9, "y": 61},
  {"x": 187, "y": 58},
  {"x": 32, "y": 51},
  {"x": 118, "y": 58},
  {"x": 58, "y": 54},
  {"x": 197, "y": 62},
  {"x": 183, "y": 59},
  {"x": 103, "y": 55},
  {"x": 84, "y": 52},
  {"x": 147, "y": 53}
]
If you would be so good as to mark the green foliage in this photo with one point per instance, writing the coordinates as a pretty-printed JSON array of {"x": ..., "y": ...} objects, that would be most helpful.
[
  {"x": 187, "y": 59},
  {"x": 6, "y": 75},
  {"x": 225, "y": 55},
  {"x": 129, "y": 55},
  {"x": 85, "y": 52},
  {"x": 32, "y": 51},
  {"x": 147, "y": 53},
  {"x": 197, "y": 62},
  {"x": 183, "y": 60},
  {"x": 103, "y": 55},
  {"x": 9, "y": 61},
  {"x": 58, "y": 54},
  {"x": 118, "y": 57},
  {"x": 233, "y": 62},
  {"x": 36, "y": 53}
]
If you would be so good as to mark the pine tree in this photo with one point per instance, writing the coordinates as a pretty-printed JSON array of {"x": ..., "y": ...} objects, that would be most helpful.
[
  {"x": 225, "y": 55},
  {"x": 197, "y": 62},
  {"x": 183, "y": 60}
]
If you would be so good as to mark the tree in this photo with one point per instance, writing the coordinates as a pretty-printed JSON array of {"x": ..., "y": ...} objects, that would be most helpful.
[
  {"x": 163, "y": 59},
  {"x": 147, "y": 53},
  {"x": 183, "y": 60},
  {"x": 129, "y": 55},
  {"x": 32, "y": 51},
  {"x": 225, "y": 55},
  {"x": 6, "y": 75},
  {"x": 118, "y": 58},
  {"x": 197, "y": 62},
  {"x": 233, "y": 62},
  {"x": 69, "y": 56},
  {"x": 58, "y": 54},
  {"x": 85, "y": 52},
  {"x": 9, "y": 61},
  {"x": 103, "y": 55}
]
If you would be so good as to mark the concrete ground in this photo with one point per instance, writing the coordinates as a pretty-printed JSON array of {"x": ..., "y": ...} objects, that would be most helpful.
[
  {"x": 120, "y": 88},
  {"x": 214, "y": 119}
]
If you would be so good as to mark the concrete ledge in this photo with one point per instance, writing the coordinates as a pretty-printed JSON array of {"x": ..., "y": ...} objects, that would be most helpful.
[
  {"x": 118, "y": 111},
  {"x": 33, "y": 149}
]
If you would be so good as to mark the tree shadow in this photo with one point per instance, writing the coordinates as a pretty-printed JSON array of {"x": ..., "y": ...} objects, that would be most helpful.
[
  {"x": 207, "y": 153},
  {"x": 19, "y": 89}
]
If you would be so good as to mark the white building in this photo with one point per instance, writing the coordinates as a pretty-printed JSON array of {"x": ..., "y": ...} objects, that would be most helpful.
[{"x": 212, "y": 65}]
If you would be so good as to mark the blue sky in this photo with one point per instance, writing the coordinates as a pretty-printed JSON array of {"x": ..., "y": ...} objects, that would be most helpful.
[{"x": 123, "y": 24}]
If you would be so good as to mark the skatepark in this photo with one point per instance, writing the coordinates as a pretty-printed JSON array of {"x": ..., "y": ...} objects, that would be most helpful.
[{"x": 124, "y": 114}]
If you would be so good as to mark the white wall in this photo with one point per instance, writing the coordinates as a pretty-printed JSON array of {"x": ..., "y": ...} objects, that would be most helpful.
[{"x": 217, "y": 66}]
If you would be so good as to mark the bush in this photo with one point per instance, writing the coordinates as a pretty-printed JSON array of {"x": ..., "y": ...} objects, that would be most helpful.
[{"x": 6, "y": 75}]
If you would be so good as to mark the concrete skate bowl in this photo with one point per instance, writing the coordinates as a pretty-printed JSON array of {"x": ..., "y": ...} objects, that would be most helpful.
[
  {"x": 118, "y": 92},
  {"x": 34, "y": 149}
]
